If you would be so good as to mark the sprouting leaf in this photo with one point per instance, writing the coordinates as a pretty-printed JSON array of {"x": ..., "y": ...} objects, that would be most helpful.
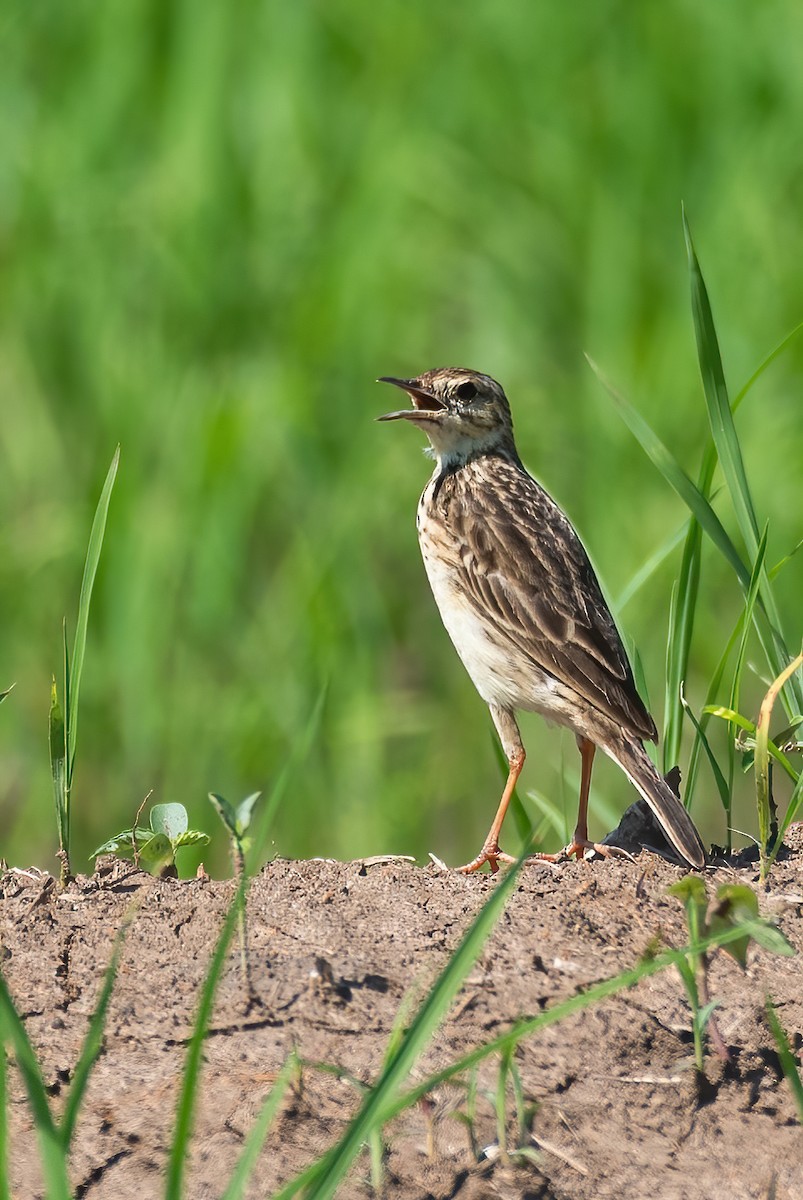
[
  {"x": 245, "y": 811},
  {"x": 735, "y": 904},
  {"x": 157, "y": 853},
  {"x": 190, "y": 837},
  {"x": 169, "y": 819},
  {"x": 225, "y": 811},
  {"x": 124, "y": 843}
]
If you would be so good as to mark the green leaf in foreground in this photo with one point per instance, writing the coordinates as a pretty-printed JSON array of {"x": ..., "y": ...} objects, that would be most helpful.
[
  {"x": 54, "y": 1158},
  {"x": 189, "y": 1085},
  {"x": 326, "y": 1175}
]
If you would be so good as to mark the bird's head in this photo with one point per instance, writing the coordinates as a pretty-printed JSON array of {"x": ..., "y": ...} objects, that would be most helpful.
[{"x": 462, "y": 412}]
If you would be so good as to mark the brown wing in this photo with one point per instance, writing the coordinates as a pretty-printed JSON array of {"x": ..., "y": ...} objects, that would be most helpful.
[{"x": 525, "y": 570}]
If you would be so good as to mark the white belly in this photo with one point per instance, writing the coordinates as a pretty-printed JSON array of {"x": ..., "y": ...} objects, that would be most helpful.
[{"x": 500, "y": 673}]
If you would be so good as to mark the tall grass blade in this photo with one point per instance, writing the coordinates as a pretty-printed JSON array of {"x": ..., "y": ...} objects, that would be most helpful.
[
  {"x": 681, "y": 627},
  {"x": 189, "y": 1085},
  {"x": 331, "y": 1170},
  {"x": 729, "y": 451},
  {"x": 724, "y": 787},
  {"x": 768, "y": 361},
  {"x": 85, "y": 599},
  {"x": 93, "y": 1041},
  {"x": 58, "y": 775},
  {"x": 716, "y": 396},
  {"x": 786, "y": 1056},
  {"x": 676, "y": 477},
  {"x": 566, "y": 1008},
  {"x": 705, "y": 716},
  {"x": 256, "y": 1138},
  {"x": 54, "y": 1158}
]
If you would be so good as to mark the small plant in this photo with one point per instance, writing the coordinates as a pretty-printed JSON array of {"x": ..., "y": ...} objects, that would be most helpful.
[
  {"x": 63, "y": 722},
  {"x": 155, "y": 847},
  {"x": 237, "y": 822},
  {"x": 735, "y": 907}
]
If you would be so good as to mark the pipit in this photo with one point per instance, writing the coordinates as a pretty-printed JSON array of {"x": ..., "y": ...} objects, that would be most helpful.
[{"x": 522, "y": 605}]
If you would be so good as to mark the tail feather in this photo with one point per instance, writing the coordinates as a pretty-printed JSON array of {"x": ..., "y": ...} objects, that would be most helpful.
[{"x": 668, "y": 810}]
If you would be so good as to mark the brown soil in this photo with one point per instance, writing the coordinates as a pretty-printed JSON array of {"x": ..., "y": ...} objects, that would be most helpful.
[{"x": 335, "y": 947}]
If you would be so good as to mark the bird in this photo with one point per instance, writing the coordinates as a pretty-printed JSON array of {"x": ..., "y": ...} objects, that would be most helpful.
[{"x": 522, "y": 605}]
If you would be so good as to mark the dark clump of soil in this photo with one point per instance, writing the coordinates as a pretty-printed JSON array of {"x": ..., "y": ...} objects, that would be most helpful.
[{"x": 613, "y": 1106}]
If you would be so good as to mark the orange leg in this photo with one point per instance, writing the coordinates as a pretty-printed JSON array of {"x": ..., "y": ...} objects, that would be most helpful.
[
  {"x": 511, "y": 741},
  {"x": 580, "y": 843}
]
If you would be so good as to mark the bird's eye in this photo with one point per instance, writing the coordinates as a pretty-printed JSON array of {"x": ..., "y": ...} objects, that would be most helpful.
[{"x": 466, "y": 391}]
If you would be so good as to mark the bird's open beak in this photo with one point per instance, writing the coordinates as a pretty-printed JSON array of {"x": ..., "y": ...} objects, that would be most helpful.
[{"x": 426, "y": 407}]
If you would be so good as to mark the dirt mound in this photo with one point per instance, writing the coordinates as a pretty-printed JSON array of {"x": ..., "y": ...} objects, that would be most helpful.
[{"x": 334, "y": 949}]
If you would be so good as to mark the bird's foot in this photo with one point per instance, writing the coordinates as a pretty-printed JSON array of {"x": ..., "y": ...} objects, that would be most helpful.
[
  {"x": 490, "y": 854},
  {"x": 579, "y": 847}
]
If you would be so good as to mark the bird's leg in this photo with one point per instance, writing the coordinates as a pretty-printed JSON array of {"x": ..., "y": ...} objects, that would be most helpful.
[
  {"x": 509, "y": 734},
  {"x": 580, "y": 843}
]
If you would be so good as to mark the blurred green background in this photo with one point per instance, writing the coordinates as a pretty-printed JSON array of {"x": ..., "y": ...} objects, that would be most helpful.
[{"x": 218, "y": 224}]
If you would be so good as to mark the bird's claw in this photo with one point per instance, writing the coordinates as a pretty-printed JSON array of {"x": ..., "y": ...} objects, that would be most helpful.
[{"x": 490, "y": 854}]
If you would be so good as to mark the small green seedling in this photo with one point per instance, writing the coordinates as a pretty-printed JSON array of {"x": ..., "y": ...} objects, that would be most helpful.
[
  {"x": 237, "y": 821},
  {"x": 735, "y": 905},
  {"x": 63, "y": 716},
  {"x": 155, "y": 847}
]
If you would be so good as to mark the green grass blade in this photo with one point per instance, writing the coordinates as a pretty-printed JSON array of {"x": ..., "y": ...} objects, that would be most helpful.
[
  {"x": 189, "y": 1085},
  {"x": 54, "y": 1158},
  {"x": 58, "y": 769},
  {"x": 723, "y": 786},
  {"x": 705, "y": 716},
  {"x": 87, "y": 584},
  {"x": 566, "y": 1008},
  {"x": 93, "y": 1041},
  {"x": 768, "y": 361},
  {"x": 331, "y": 1170},
  {"x": 747, "y": 618},
  {"x": 681, "y": 627},
  {"x": 676, "y": 477},
  {"x": 729, "y": 451},
  {"x": 786, "y": 1056},
  {"x": 255, "y": 1140},
  {"x": 716, "y": 396}
]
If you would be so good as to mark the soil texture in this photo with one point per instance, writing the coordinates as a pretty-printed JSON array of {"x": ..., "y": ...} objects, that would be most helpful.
[{"x": 613, "y": 1107}]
